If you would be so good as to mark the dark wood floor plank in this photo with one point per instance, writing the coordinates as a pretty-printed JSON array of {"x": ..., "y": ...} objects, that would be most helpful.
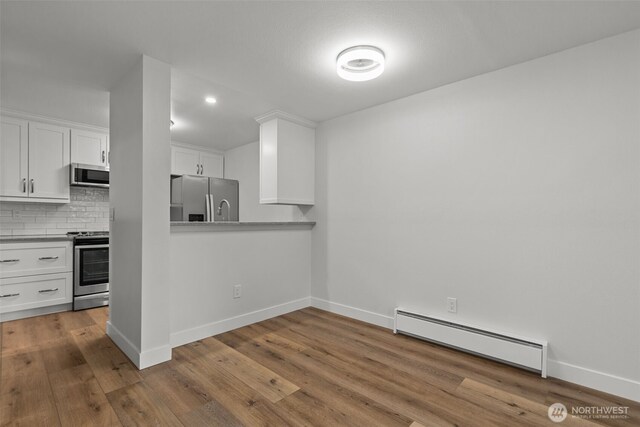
[
  {"x": 417, "y": 401},
  {"x": 28, "y": 362},
  {"x": 523, "y": 411},
  {"x": 178, "y": 392},
  {"x": 210, "y": 414},
  {"x": 242, "y": 401},
  {"x": 110, "y": 366},
  {"x": 99, "y": 316},
  {"x": 344, "y": 402},
  {"x": 27, "y": 400},
  {"x": 377, "y": 357},
  {"x": 61, "y": 354},
  {"x": 79, "y": 398},
  {"x": 24, "y": 333},
  {"x": 139, "y": 405},
  {"x": 72, "y": 320},
  {"x": 263, "y": 380}
]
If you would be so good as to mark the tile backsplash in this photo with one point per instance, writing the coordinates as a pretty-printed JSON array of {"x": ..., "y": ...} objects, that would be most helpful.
[{"x": 88, "y": 210}]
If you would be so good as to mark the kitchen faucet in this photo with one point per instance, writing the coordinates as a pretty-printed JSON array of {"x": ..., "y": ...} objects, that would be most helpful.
[{"x": 223, "y": 201}]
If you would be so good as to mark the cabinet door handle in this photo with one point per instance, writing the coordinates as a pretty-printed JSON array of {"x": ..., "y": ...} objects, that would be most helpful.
[
  {"x": 44, "y": 291},
  {"x": 9, "y": 260},
  {"x": 9, "y": 295},
  {"x": 104, "y": 156},
  {"x": 24, "y": 185},
  {"x": 48, "y": 257},
  {"x": 201, "y": 169},
  {"x": 32, "y": 186}
]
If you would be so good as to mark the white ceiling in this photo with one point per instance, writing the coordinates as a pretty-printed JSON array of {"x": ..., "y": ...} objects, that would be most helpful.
[{"x": 60, "y": 58}]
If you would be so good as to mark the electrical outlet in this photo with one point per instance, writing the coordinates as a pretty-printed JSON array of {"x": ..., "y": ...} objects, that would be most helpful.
[
  {"x": 452, "y": 305},
  {"x": 237, "y": 291}
]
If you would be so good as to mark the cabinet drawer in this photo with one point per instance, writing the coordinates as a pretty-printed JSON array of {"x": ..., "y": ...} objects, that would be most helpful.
[
  {"x": 22, "y": 293},
  {"x": 25, "y": 259}
]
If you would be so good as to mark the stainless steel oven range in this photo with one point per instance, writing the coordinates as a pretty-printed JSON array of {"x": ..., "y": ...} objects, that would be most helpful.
[{"x": 90, "y": 269}]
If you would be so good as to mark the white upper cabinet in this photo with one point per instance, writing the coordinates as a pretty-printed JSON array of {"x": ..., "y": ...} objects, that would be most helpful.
[
  {"x": 192, "y": 161},
  {"x": 211, "y": 164},
  {"x": 89, "y": 148},
  {"x": 287, "y": 159},
  {"x": 48, "y": 161},
  {"x": 185, "y": 161},
  {"x": 34, "y": 158},
  {"x": 14, "y": 157}
]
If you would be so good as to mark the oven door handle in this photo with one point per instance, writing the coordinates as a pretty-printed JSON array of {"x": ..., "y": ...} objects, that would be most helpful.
[{"x": 101, "y": 246}]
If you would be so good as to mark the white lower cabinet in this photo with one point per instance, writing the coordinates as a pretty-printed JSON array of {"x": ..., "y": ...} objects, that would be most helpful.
[
  {"x": 23, "y": 293},
  {"x": 28, "y": 259},
  {"x": 35, "y": 276}
]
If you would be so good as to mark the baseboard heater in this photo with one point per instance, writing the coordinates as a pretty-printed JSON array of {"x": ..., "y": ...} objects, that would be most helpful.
[{"x": 524, "y": 353}]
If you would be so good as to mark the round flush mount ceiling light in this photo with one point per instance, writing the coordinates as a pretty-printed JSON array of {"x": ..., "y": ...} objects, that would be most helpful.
[
  {"x": 360, "y": 63},
  {"x": 210, "y": 100}
]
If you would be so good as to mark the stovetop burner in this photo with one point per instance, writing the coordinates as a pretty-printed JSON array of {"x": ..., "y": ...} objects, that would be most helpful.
[{"x": 88, "y": 233}]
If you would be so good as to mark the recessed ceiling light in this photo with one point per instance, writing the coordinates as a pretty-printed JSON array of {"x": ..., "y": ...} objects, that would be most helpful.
[
  {"x": 360, "y": 63},
  {"x": 210, "y": 100}
]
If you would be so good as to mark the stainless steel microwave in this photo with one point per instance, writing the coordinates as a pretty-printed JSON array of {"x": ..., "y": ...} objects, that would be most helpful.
[{"x": 89, "y": 175}]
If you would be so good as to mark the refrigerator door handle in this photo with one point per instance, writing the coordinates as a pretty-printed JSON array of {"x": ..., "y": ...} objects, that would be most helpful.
[
  {"x": 207, "y": 203},
  {"x": 212, "y": 213}
]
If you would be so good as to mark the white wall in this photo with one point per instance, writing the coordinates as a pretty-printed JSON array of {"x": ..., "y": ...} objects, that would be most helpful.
[
  {"x": 517, "y": 192},
  {"x": 272, "y": 265},
  {"x": 243, "y": 164}
]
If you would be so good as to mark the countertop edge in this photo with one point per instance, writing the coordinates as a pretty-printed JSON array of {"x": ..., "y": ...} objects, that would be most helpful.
[
  {"x": 36, "y": 238},
  {"x": 179, "y": 226}
]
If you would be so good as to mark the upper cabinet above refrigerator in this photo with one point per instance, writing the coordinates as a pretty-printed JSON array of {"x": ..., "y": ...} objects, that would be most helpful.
[{"x": 188, "y": 160}]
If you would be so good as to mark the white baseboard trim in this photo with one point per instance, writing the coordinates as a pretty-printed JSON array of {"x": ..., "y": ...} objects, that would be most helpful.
[
  {"x": 354, "y": 313},
  {"x": 127, "y": 347},
  {"x": 142, "y": 359},
  {"x": 608, "y": 383},
  {"x": 23, "y": 314},
  {"x": 155, "y": 356},
  {"x": 194, "y": 334}
]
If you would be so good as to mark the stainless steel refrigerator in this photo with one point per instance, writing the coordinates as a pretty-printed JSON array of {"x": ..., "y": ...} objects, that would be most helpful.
[{"x": 198, "y": 198}]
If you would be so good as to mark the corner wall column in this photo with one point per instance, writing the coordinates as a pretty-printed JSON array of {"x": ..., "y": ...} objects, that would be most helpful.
[{"x": 139, "y": 198}]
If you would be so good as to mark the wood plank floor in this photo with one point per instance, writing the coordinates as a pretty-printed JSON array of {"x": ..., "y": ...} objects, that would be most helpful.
[{"x": 306, "y": 368}]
